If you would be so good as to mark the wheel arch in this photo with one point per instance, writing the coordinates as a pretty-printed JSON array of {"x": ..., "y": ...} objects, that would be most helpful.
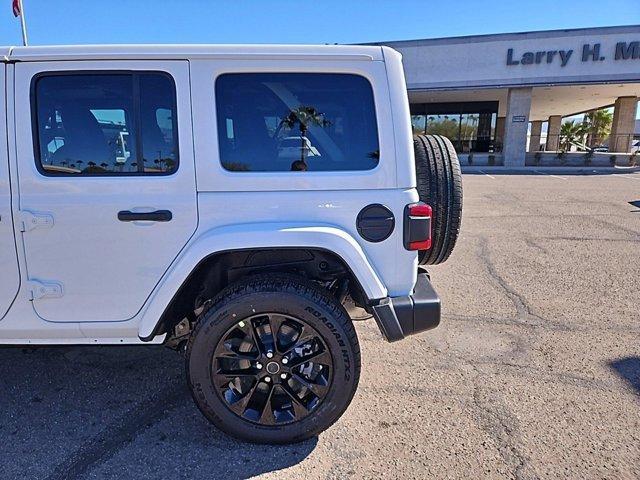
[{"x": 219, "y": 256}]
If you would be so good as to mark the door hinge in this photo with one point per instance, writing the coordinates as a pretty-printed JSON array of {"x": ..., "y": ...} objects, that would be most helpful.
[
  {"x": 39, "y": 289},
  {"x": 32, "y": 220}
]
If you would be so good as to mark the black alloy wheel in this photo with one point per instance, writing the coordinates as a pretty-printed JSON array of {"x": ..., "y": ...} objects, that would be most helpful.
[{"x": 272, "y": 369}]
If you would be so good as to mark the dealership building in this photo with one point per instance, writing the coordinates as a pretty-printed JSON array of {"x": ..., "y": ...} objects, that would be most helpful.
[{"x": 504, "y": 96}]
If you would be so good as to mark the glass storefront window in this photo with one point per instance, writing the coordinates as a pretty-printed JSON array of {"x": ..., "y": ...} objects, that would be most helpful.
[
  {"x": 445, "y": 125},
  {"x": 469, "y": 126},
  {"x": 468, "y": 131}
]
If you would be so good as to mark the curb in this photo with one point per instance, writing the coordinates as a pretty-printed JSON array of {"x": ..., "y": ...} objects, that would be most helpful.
[{"x": 535, "y": 170}]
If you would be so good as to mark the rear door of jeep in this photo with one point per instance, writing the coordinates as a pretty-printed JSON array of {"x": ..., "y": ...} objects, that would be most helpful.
[{"x": 106, "y": 179}]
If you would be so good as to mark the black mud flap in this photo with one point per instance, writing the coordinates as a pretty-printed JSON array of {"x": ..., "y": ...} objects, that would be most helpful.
[{"x": 399, "y": 317}]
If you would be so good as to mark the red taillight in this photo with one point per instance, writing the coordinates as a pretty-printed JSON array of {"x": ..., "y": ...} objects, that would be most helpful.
[
  {"x": 420, "y": 210},
  {"x": 417, "y": 226},
  {"x": 424, "y": 245}
]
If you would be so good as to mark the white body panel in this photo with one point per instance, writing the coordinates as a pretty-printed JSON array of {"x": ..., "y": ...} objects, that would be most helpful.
[
  {"x": 119, "y": 295},
  {"x": 9, "y": 273}
]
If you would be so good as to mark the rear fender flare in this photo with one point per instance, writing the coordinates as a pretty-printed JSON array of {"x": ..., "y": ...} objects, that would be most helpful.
[{"x": 252, "y": 236}]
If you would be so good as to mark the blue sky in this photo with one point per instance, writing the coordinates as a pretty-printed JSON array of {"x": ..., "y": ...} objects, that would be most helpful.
[{"x": 280, "y": 21}]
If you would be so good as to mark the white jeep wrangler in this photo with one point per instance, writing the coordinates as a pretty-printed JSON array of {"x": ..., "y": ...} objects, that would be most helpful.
[{"x": 231, "y": 201}]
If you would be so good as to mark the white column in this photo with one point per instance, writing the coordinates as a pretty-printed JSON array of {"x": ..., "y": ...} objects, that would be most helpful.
[
  {"x": 536, "y": 135},
  {"x": 624, "y": 122},
  {"x": 516, "y": 126},
  {"x": 553, "y": 133}
]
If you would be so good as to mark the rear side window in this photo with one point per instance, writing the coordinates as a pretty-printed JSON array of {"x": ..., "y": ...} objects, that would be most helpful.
[
  {"x": 105, "y": 124},
  {"x": 276, "y": 122}
]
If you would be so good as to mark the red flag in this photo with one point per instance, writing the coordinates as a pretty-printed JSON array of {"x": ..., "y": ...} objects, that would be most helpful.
[{"x": 16, "y": 8}]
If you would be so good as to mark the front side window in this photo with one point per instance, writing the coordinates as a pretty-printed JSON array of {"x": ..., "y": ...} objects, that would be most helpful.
[
  {"x": 115, "y": 124},
  {"x": 276, "y": 122}
]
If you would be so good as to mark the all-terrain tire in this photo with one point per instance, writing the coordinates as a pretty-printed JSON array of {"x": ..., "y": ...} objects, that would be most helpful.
[
  {"x": 439, "y": 184},
  {"x": 276, "y": 294}
]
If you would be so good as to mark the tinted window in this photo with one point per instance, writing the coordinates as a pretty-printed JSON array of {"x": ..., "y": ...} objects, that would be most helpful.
[
  {"x": 117, "y": 124},
  {"x": 296, "y": 122}
]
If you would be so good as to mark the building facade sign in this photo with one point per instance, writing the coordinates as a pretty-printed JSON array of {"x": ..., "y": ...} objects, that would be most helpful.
[
  {"x": 590, "y": 53},
  {"x": 563, "y": 57}
]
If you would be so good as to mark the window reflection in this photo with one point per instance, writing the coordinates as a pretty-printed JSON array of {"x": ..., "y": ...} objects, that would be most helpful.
[
  {"x": 296, "y": 122},
  {"x": 91, "y": 124}
]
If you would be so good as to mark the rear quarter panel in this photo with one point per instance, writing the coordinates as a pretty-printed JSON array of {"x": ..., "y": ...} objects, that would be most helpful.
[
  {"x": 329, "y": 198},
  {"x": 395, "y": 266}
]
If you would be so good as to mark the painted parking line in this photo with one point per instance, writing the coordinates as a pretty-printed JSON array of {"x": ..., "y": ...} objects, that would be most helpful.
[
  {"x": 490, "y": 176},
  {"x": 628, "y": 176},
  {"x": 549, "y": 175}
]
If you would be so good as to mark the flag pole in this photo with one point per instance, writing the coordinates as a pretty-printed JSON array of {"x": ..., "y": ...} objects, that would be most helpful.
[{"x": 25, "y": 41}]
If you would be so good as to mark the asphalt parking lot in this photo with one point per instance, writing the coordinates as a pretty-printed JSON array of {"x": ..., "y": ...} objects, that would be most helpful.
[{"x": 533, "y": 373}]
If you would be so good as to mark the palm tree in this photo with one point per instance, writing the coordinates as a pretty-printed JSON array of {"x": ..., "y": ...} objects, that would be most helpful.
[
  {"x": 304, "y": 116},
  {"x": 599, "y": 122},
  {"x": 169, "y": 164},
  {"x": 572, "y": 133},
  {"x": 445, "y": 126}
]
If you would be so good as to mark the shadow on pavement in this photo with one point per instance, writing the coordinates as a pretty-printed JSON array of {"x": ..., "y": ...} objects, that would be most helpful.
[
  {"x": 629, "y": 369},
  {"x": 116, "y": 412}
]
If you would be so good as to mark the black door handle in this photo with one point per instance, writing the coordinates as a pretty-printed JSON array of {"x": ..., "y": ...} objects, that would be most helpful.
[{"x": 157, "y": 216}]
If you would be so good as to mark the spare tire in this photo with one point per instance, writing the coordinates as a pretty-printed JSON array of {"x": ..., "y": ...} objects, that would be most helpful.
[{"x": 439, "y": 184}]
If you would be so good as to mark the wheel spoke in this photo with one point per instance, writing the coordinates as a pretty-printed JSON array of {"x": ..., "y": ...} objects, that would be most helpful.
[
  {"x": 275, "y": 322},
  {"x": 299, "y": 410},
  {"x": 240, "y": 405},
  {"x": 318, "y": 390},
  {"x": 231, "y": 374},
  {"x": 304, "y": 338},
  {"x": 322, "y": 357},
  {"x": 266, "y": 415},
  {"x": 256, "y": 338},
  {"x": 231, "y": 355}
]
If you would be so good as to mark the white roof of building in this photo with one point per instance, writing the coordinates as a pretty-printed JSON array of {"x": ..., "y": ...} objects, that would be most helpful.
[{"x": 182, "y": 52}]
